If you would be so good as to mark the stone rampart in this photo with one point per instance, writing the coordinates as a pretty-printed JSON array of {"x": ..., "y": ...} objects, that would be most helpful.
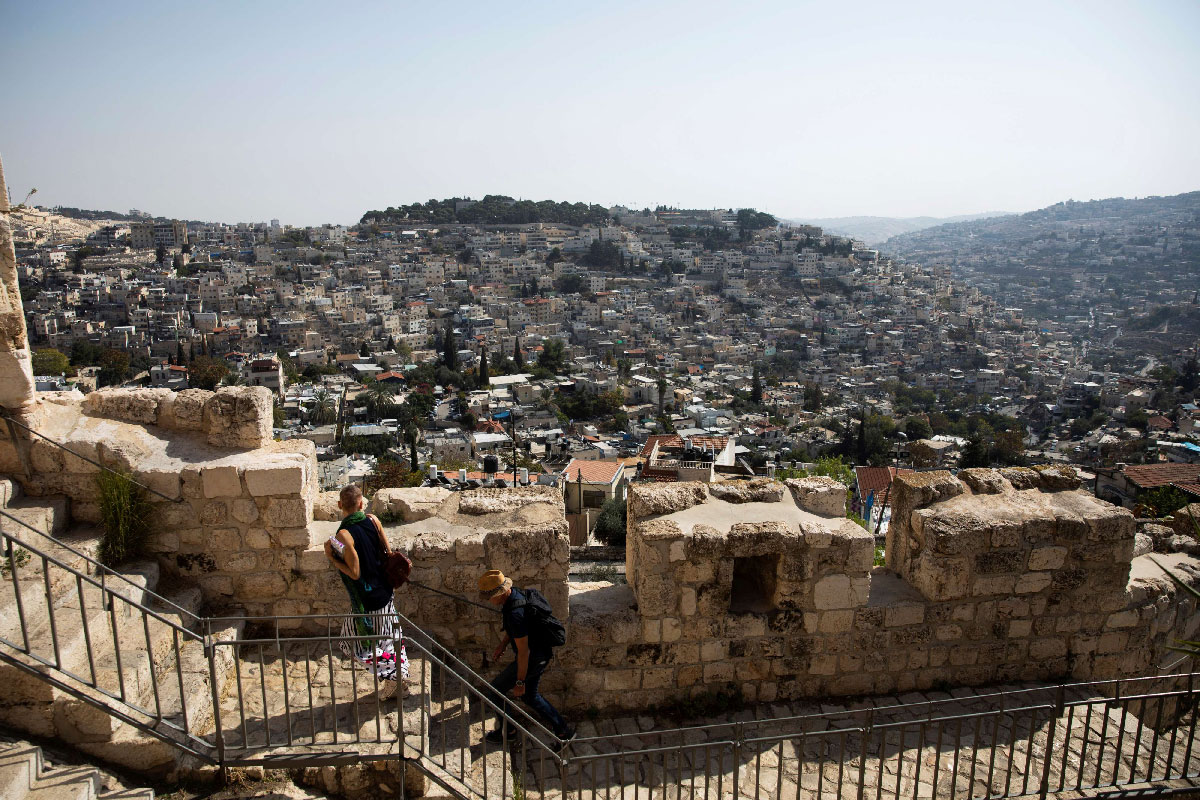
[{"x": 767, "y": 590}]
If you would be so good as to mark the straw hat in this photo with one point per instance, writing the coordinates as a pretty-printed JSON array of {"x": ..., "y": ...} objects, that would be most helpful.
[{"x": 493, "y": 583}]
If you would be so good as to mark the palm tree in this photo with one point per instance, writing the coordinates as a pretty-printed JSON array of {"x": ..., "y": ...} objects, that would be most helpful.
[
  {"x": 233, "y": 379},
  {"x": 380, "y": 396},
  {"x": 323, "y": 410}
]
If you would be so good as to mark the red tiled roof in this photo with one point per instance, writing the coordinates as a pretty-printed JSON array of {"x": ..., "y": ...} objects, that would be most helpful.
[
  {"x": 658, "y": 475},
  {"x": 875, "y": 479},
  {"x": 593, "y": 471},
  {"x": 664, "y": 440},
  {"x": 1159, "y": 422},
  {"x": 1191, "y": 487},
  {"x": 1149, "y": 476}
]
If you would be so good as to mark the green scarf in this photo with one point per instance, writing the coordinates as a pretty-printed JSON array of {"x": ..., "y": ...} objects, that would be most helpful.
[{"x": 357, "y": 516}]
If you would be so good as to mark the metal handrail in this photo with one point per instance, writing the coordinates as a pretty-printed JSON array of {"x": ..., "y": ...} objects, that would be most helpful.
[{"x": 100, "y": 568}]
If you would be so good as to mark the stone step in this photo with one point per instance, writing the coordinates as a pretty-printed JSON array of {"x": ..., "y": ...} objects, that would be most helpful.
[
  {"x": 10, "y": 491},
  {"x": 133, "y": 749},
  {"x": 19, "y": 768},
  {"x": 26, "y": 772},
  {"x": 66, "y": 783},
  {"x": 50, "y": 514},
  {"x": 146, "y": 663},
  {"x": 27, "y": 699}
]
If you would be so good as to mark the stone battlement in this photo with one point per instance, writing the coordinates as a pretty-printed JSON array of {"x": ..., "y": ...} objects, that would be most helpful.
[{"x": 764, "y": 588}]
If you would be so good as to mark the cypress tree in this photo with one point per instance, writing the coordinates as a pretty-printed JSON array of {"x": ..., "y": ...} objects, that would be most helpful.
[
  {"x": 450, "y": 349},
  {"x": 484, "y": 379},
  {"x": 518, "y": 359}
]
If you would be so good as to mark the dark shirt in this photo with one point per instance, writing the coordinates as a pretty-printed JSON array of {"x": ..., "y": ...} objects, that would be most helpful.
[
  {"x": 372, "y": 583},
  {"x": 516, "y": 620}
]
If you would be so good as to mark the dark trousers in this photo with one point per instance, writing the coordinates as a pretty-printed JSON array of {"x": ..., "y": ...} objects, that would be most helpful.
[{"x": 507, "y": 679}]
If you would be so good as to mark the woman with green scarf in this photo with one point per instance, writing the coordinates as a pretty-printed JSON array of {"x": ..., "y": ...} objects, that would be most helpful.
[{"x": 359, "y": 551}]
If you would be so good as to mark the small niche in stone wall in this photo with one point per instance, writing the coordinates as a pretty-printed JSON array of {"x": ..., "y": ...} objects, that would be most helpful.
[{"x": 753, "y": 590}]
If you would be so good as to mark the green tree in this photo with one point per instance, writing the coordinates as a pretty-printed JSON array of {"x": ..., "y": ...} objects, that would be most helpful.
[
  {"x": 364, "y": 351},
  {"x": 756, "y": 387},
  {"x": 205, "y": 372},
  {"x": 483, "y": 376},
  {"x": 450, "y": 349},
  {"x": 49, "y": 361},
  {"x": 323, "y": 409},
  {"x": 611, "y": 524},
  {"x": 553, "y": 357},
  {"x": 917, "y": 428},
  {"x": 380, "y": 397},
  {"x": 114, "y": 368},
  {"x": 569, "y": 283},
  {"x": 813, "y": 398},
  {"x": 518, "y": 358},
  {"x": 1162, "y": 501}
]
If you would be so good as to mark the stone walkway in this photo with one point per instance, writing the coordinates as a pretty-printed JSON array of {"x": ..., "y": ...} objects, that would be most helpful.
[{"x": 929, "y": 745}]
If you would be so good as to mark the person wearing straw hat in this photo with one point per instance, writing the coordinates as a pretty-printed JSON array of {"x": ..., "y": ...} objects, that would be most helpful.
[{"x": 529, "y": 630}]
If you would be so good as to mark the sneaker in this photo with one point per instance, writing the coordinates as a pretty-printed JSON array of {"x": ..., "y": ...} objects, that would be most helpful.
[
  {"x": 565, "y": 738},
  {"x": 497, "y": 736}
]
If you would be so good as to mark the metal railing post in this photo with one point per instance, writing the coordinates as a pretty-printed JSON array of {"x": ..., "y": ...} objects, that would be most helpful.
[
  {"x": 1048, "y": 758},
  {"x": 210, "y": 652},
  {"x": 862, "y": 753}
]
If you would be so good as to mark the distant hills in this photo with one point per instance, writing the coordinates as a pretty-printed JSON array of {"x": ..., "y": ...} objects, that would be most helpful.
[
  {"x": 1096, "y": 233},
  {"x": 876, "y": 230}
]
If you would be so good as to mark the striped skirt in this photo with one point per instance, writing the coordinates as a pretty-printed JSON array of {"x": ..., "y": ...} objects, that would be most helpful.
[{"x": 383, "y": 654}]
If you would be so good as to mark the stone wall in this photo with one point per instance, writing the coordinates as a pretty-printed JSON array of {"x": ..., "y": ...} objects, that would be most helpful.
[{"x": 767, "y": 590}]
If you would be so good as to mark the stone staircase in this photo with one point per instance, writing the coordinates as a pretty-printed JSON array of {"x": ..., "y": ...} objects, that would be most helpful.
[
  {"x": 151, "y": 667},
  {"x": 25, "y": 773}
]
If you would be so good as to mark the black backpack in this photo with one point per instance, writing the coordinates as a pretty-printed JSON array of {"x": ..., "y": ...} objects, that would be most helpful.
[{"x": 543, "y": 625}]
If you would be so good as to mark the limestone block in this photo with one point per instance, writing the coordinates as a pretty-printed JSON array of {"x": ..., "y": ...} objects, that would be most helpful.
[
  {"x": 831, "y": 592},
  {"x": 258, "y": 539},
  {"x": 1019, "y": 628},
  {"x": 819, "y": 495},
  {"x": 677, "y": 551},
  {"x": 1186, "y": 519},
  {"x": 162, "y": 481},
  {"x": 243, "y": 561},
  {"x": 658, "y": 678},
  {"x": 214, "y": 512},
  {"x": 1032, "y": 582},
  {"x": 839, "y": 621},
  {"x": 1057, "y": 477},
  {"x": 948, "y": 633},
  {"x": 718, "y": 672},
  {"x": 221, "y": 481},
  {"x": 261, "y": 586},
  {"x": 1047, "y": 558},
  {"x": 993, "y": 584},
  {"x": 672, "y": 630},
  {"x": 1021, "y": 477},
  {"x": 244, "y": 510},
  {"x": 412, "y": 504},
  {"x": 489, "y": 501},
  {"x": 469, "y": 551},
  {"x": 263, "y": 481},
  {"x": 714, "y": 650},
  {"x": 653, "y": 499},
  {"x": 216, "y": 585},
  {"x": 287, "y": 512},
  {"x": 1122, "y": 619},
  {"x": 758, "y": 490},
  {"x": 687, "y": 601},
  {"x": 130, "y": 405},
  {"x": 941, "y": 578},
  {"x": 984, "y": 481},
  {"x": 622, "y": 680},
  {"x": 190, "y": 483},
  {"x": 655, "y": 595},
  {"x": 907, "y": 614},
  {"x": 238, "y": 417},
  {"x": 294, "y": 537},
  {"x": 46, "y": 457},
  {"x": 325, "y": 507},
  {"x": 1143, "y": 543},
  {"x": 824, "y": 664}
]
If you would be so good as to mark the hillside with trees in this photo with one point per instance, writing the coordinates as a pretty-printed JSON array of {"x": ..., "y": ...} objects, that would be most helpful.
[{"x": 493, "y": 209}]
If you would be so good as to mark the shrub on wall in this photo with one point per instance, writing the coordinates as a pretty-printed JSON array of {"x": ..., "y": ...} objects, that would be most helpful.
[
  {"x": 125, "y": 515},
  {"x": 610, "y": 525}
]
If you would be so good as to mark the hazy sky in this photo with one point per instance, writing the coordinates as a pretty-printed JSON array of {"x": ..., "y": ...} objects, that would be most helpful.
[{"x": 315, "y": 112}]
